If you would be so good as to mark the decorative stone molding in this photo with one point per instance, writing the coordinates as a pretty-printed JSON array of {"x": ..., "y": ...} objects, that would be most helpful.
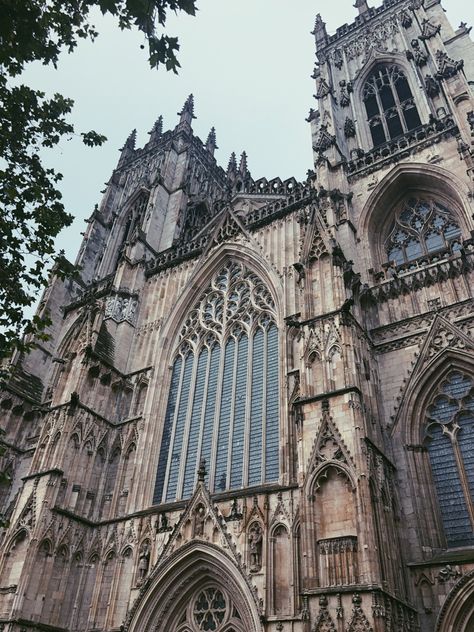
[
  {"x": 408, "y": 144},
  {"x": 349, "y": 128},
  {"x": 122, "y": 307},
  {"x": 346, "y": 90},
  {"x": 323, "y": 89},
  {"x": 416, "y": 54},
  {"x": 447, "y": 67},
  {"x": 429, "y": 30}
]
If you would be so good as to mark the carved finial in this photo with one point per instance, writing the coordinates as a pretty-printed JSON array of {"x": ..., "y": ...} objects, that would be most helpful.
[
  {"x": 362, "y": 6},
  {"x": 211, "y": 141},
  {"x": 130, "y": 142},
  {"x": 243, "y": 163},
  {"x": 232, "y": 166},
  {"x": 187, "y": 113},
  {"x": 157, "y": 130},
  {"x": 202, "y": 471},
  {"x": 319, "y": 32}
]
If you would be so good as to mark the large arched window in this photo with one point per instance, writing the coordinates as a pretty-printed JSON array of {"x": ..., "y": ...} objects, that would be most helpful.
[
  {"x": 391, "y": 109},
  {"x": 223, "y": 399},
  {"x": 450, "y": 444},
  {"x": 421, "y": 227}
]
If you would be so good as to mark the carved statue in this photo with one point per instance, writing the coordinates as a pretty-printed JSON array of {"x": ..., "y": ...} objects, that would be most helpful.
[
  {"x": 255, "y": 545},
  {"x": 199, "y": 516},
  {"x": 144, "y": 561}
]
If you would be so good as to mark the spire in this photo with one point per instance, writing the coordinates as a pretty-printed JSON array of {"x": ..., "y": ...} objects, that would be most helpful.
[
  {"x": 319, "y": 32},
  {"x": 211, "y": 141},
  {"x": 187, "y": 113},
  {"x": 129, "y": 147},
  {"x": 362, "y": 6},
  {"x": 232, "y": 166},
  {"x": 157, "y": 130},
  {"x": 243, "y": 164}
]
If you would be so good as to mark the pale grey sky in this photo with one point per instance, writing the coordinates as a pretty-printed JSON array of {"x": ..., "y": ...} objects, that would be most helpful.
[{"x": 248, "y": 64}]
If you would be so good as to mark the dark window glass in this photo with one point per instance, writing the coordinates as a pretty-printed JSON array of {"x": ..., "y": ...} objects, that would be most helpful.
[
  {"x": 420, "y": 228},
  {"x": 412, "y": 118},
  {"x": 386, "y": 96},
  {"x": 378, "y": 134},
  {"x": 372, "y": 106},
  {"x": 394, "y": 125},
  {"x": 403, "y": 89},
  {"x": 391, "y": 111},
  {"x": 450, "y": 440}
]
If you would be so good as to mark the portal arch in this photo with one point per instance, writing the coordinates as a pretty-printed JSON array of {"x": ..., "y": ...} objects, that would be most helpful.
[
  {"x": 457, "y": 613},
  {"x": 174, "y": 598}
]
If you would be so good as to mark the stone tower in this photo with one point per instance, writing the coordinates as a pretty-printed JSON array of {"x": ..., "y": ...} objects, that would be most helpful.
[{"x": 255, "y": 411}]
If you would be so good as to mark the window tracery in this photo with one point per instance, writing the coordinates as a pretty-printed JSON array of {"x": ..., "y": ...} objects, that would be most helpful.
[
  {"x": 223, "y": 400},
  {"x": 422, "y": 227},
  {"x": 449, "y": 441},
  {"x": 389, "y": 103},
  {"x": 210, "y": 609}
]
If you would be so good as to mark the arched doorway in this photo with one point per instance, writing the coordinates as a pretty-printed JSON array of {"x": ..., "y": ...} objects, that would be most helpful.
[
  {"x": 457, "y": 613},
  {"x": 197, "y": 588}
]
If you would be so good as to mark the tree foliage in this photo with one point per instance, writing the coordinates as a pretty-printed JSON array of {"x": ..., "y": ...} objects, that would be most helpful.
[{"x": 31, "y": 211}]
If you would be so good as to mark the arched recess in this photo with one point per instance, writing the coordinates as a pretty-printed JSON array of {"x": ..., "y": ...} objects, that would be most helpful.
[
  {"x": 457, "y": 613},
  {"x": 15, "y": 552},
  {"x": 375, "y": 59},
  {"x": 129, "y": 218},
  {"x": 227, "y": 255},
  {"x": 165, "y": 598},
  {"x": 335, "y": 540},
  {"x": 282, "y": 573},
  {"x": 417, "y": 179}
]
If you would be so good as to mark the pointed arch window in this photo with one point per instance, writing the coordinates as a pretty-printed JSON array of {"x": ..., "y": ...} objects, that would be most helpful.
[
  {"x": 223, "y": 402},
  {"x": 389, "y": 103},
  {"x": 422, "y": 227},
  {"x": 449, "y": 441}
]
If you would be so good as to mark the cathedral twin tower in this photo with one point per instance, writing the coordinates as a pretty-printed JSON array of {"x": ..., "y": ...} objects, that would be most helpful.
[{"x": 255, "y": 412}]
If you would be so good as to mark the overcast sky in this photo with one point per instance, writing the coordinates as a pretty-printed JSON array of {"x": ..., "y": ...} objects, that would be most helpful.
[{"x": 248, "y": 64}]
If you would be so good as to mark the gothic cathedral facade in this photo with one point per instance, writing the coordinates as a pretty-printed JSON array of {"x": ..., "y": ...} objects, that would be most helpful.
[{"x": 255, "y": 412}]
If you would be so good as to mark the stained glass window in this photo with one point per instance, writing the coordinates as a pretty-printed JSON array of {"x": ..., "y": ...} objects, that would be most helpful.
[
  {"x": 450, "y": 443},
  {"x": 223, "y": 403},
  {"x": 389, "y": 103},
  {"x": 422, "y": 227}
]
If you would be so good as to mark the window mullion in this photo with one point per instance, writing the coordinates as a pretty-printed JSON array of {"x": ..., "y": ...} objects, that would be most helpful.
[
  {"x": 382, "y": 115},
  {"x": 232, "y": 412},
  {"x": 187, "y": 426},
  {"x": 173, "y": 432},
  {"x": 401, "y": 115},
  {"x": 463, "y": 477},
  {"x": 203, "y": 413},
  {"x": 248, "y": 408},
  {"x": 264, "y": 404},
  {"x": 215, "y": 431}
]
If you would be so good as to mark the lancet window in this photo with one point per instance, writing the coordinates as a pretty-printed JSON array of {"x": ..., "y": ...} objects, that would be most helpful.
[
  {"x": 450, "y": 440},
  {"x": 422, "y": 227},
  {"x": 223, "y": 400},
  {"x": 389, "y": 103}
]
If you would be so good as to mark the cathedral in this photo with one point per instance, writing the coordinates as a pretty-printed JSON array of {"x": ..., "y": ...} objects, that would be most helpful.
[{"x": 255, "y": 409}]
